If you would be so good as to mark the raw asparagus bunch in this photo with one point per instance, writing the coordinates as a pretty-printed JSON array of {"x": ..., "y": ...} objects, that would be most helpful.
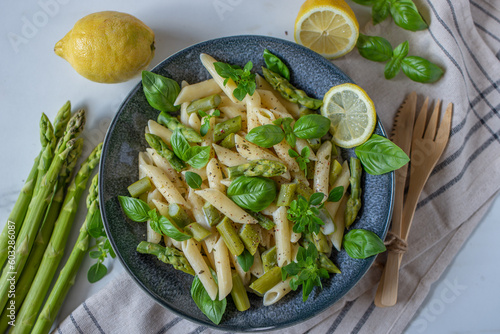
[
  {"x": 39, "y": 204},
  {"x": 43, "y": 236},
  {"x": 167, "y": 255},
  {"x": 162, "y": 149},
  {"x": 55, "y": 249},
  {"x": 261, "y": 167},
  {"x": 289, "y": 92},
  {"x": 68, "y": 274},
  {"x": 354, "y": 201}
]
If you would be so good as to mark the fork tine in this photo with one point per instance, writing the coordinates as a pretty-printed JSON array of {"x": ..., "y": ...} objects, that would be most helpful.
[
  {"x": 418, "y": 129},
  {"x": 430, "y": 131},
  {"x": 443, "y": 132}
]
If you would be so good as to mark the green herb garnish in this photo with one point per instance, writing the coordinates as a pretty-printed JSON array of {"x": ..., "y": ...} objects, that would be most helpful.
[
  {"x": 242, "y": 77},
  {"x": 206, "y": 123},
  {"x": 302, "y": 158},
  {"x": 305, "y": 213}
]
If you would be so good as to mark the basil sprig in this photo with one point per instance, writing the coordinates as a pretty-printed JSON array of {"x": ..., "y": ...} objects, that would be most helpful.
[
  {"x": 404, "y": 13},
  {"x": 378, "y": 49},
  {"x": 196, "y": 156},
  {"x": 379, "y": 155},
  {"x": 139, "y": 211},
  {"x": 252, "y": 193},
  {"x": 304, "y": 213},
  {"x": 302, "y": 158},
  {"x": 306, "y": 127},
  {"x": 95, "y": 228},
  {"x": 245, "y": 260},
  {"x": 193, "y": 180},
  {"x": 360, "y": 244},
  {"x": 213, "y": 309},
  {"x": 276, "y": 65},
  {"x": 161, "y": 92},
  {"x": 242, "y": 77}
]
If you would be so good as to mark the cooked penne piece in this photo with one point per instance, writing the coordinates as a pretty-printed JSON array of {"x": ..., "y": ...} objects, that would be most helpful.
[
  {"x": 214, "y": 175},
  {"x": 282, "y": 236},
  {"x": 184, "y": 117},
  {"x": 196, "y": 203},
  {"x": 337, "y": 236},
  {"x": 277, "y": 292},
  {"x": 152, "y": 235},
  {"x": 245, "y": 276},
  {"x": 228, "y": 157},
  {"x": 299, "y": 146},
  {"x": 222, "y": 203},
  {"x": 194, "y": 122},
  {"x": 342, "y": 180},
  {"x": 257, "y": 269},
  {"x": 229, "y": 87},
  {"x": 223, "y": 269},
  {"x": 160, "y": 130},
  {"x": 270, "y": 101},
  {"x": 161, "y": 206},
  {"x": 144, "y": 159},
  {"x": 294, "y": 236},
  {"x": 211, "y": 240},
  {"x": 197, "y": 91},
  {"x": 252, "y": 104},
  {"x": 172, "y": 174},
  {"x": 208, "y": 139},
  {"x": 208, "y": 256},
  {"x": 164, "y": 185},
  {"x": 322, "y": 170},
  {"x": 200, "y": 267}
]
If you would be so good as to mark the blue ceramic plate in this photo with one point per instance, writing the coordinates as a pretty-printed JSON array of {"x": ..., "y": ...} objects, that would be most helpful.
[{"x": 118, "y": 169}]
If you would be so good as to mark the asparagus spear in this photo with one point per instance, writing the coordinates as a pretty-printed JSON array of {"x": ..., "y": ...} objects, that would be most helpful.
[
  {"x": 204, "y": 104},
  {"x": 173, "y": 123},
  {"x": 68, "y": 273},
  {"x": 261, "y": 167},
  {"x": 289, "y": 92},
  {"x": 16, "y": 217},
  {"x": 43, "y": 236},
  {"x": 37, "y": 207},
  {"x": 55, "y": 249},
  {"x": 162, "y": 149},
  {"x": 167, "y": 255},
  {"x": 354, "y": 201},
  {"x": 326, "y": 263},
  {"x": 224, "y": 129},
  {"x": 61, "y": 120}
]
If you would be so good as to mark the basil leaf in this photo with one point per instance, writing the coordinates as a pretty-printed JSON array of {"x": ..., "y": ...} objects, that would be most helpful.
[
  {"x": 421, "y": 70},
  {"x": 374, "y": 48},
  {"x": 276, "y": 65},
  {"x": 94, "y": 254},
  {"x": 360, "y": 244},
  {"x": 107, "y": 245},
  {"x": 96, "y": 272},
  {"x": 292, "y": 153},
  {"x": 252, "y": 193},
  {"x": 134, "y": 208},
  {"x": 266, "y": 135},
  {"x": 406, "y": 15},
  {"x": 394, "y": 65},
  {"x": 240, "y": 92},
  {"x": 379, "y": 155},
  {"x": 160, "y": 91},
  {"x": 311, "y": 126},
  {"x": 179, "y": 144},
  {"x": 316, "y": 198},
  {"x": 245, "y": 260},
  {"x": 336, "y": 194},
  {"x": 193, "y": 180},
  {"x": 154, "y": 226},
  {"x": 170, "y": 230},
  {"x": 213, "y": 309},
  {"x": 380, "y": 10},
  {"x": 197, "y": 156},
  {"x": 95, "y": 226}
]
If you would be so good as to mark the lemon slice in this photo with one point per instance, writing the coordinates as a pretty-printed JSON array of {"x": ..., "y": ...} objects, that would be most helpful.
[
  {"x": 352, "y": 114},
  {"x": 328, "y": 27}
]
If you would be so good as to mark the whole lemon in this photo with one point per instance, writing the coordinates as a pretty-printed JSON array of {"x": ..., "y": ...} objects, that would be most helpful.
[{"x": 108, "y": 47}]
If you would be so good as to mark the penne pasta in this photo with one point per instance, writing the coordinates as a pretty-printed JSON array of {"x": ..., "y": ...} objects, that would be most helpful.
[
  {"x": 194, "y": 121},
  {"x": 299, "y": 146},
  {"x": 277, "y": 292},
  {"x": 200, "y": 267},
  {"x": 223, "y": 268},
  {"x": 214, "y": 175},
  {"x": 196, "y": 204},
  {"x": 157, "y": 129},
  {"x": 152, "y": 235},
  {"x": 253, "y": 105},
  {"x": 164, "y": 185},
  {"x": 197, "y": 91},
  {"x": 222, "y": 203},
  {"x": 322, "y": 169},
  {"x": 257, "y": 268},
  {"x": 282, "y": 237},
  {"x": 229, "y": 87},
  {"x": 342, "y": 180},
  {"x": 228, "y": 157},
  {"x": 171, "y": 173}
]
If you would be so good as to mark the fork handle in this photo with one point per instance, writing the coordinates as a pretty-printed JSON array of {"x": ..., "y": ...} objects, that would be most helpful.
[{"x": 387, "y": 290}]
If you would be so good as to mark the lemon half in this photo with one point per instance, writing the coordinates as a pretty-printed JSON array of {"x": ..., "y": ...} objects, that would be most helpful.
[
  {"x": 352, "y": 114},
  {"x": 328, "y": 27}
]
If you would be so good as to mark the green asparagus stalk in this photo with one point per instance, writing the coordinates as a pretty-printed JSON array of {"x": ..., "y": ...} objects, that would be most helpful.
[
  {"x": 230, "y": 237},
  {"x": 178, "y": 215},
  {"x": 47, "y": 154},
  {"x": 139, "y": 187},
  {"x": 173, "y": 123},
  {"x": 162, "y": 149},
  {"x": 335, "y": 171},
  {"x": 250, "y": 237},
  {"x": 212, "y": 215},
  {"x": 167, "y": 255},
  {"x": 229, "y": 141},
  {"x": 198, "y": 232},
  {"x": 61, "y": 120},
  {"x": 239, "y": 294},
  {"x": 223, "y": 129},
  {"x": 325, "y": 262},
  {"x": 43, "y": 236},
  {"x": 286, "y": 194},
  {"x": 37, "y": 207},
  {"x": 269, "y": 259},
  {"x": 261, "y": 167},
  {"x": 204, "y": 104},
  {"x": 68, "y": 273},
  {"x": 354, "y": 201},
  {"x": 289, "y": 92},
  {"x": 266, "y": 281},
  {"x": 319, "y": 240},
  {"x": 264, "y": 221},
  {"x": 16, "y": 217},
  {"x": 55, "y": 249}
]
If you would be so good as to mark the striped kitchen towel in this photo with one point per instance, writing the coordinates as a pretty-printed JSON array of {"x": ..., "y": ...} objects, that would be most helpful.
[{"x": 464, "y": 39}]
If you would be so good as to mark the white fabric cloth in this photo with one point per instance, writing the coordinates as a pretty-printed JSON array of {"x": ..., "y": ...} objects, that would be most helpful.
[{"x": 464, "y": 39}]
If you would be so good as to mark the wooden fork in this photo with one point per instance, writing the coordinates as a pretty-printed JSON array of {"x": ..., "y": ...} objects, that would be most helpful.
[{"x": 427, "y": 146}]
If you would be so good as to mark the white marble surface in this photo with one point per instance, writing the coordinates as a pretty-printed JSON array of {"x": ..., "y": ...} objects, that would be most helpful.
[{"x": 34, "y": 80}]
